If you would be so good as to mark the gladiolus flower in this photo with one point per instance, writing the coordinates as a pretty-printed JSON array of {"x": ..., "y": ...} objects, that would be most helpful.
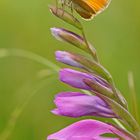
[
  {"x": 76, "y": 79},
  {"x": 90, "y": 130},
  {"x": 75, "y": 104}
]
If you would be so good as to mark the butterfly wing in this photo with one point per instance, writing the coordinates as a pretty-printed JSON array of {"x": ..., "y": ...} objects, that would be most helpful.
[
  {"x": 97, "y": 5},
  {"x": 89, "y": 8}
]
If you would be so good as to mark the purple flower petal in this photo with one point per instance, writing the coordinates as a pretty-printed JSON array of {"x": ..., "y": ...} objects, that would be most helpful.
[
  {"x": 57, "y": 33},
  {"x": 66, "y": 58},
  {"x": 76, "y": 79},
  {"x": 89, "y": 130},
  {"x": 75, "y": 104}
]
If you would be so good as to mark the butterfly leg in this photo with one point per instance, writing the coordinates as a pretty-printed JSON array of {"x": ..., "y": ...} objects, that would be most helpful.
[
  {"x": 56, "y": 3},
  {"x": 71, "y": 7},
  {"x": 63, "y": 6}
]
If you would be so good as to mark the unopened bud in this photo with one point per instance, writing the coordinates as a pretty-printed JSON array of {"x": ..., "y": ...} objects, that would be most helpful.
[
  {"x": 67, "y": 58},
  {"x": 65, "y": 16},
  {"x": 80, "y": 61},
  {"x": 70, "y": 37}
]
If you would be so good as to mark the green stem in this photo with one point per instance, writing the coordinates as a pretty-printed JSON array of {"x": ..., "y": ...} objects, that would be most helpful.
[
  {"x": 28, "y": 55},
  {"x": 123, "y": 128},
  {"x": 134, "y": 102}
]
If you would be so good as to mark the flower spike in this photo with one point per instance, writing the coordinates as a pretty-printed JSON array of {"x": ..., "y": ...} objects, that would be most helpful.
[{"x": 104, "y": 99}]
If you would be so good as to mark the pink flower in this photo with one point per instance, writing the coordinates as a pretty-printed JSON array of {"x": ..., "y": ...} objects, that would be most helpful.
[
  {"x": 76, "y": 79},
  {"x": 90, "y": 130},
  {"x": 76, "y": 104}
]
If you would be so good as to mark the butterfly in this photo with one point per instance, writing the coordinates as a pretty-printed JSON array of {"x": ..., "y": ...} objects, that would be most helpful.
[{"x": 88, "y": 8}]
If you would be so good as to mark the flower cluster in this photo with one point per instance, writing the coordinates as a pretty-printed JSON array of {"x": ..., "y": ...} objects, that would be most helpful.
[{"x": 98, "y": 94}]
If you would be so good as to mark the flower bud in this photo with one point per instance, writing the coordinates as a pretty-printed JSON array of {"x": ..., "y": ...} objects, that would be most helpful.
[
  {"x": 67, "y": 58},
  {"x": 75, "y": 104},
  {"x": 65, "y": 16},
  {"x": 80, "y": 61},
  {"x": 70, "y": 37},
  {"x": 76, "y": 79}
]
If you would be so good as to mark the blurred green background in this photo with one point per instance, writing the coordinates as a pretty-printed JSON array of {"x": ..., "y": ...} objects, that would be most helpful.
[{"x": 27, "y": 87}]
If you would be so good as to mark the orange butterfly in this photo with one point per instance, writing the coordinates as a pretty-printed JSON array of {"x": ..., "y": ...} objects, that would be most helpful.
[{"x": 89, "y": 8}]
